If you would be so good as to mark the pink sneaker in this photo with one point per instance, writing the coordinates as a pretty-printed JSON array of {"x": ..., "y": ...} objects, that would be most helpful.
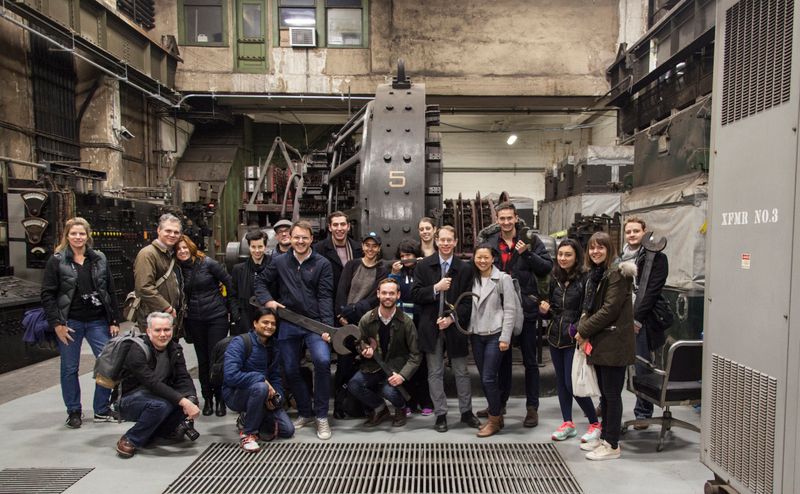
[
  {"x": 427, "y": 412},
  {"x": 592, "y": 434},
  {"x": 407, "y": 411}
]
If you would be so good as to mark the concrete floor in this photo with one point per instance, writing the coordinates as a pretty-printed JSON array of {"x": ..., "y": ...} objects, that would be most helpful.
[{"x": 34, "y": 435}]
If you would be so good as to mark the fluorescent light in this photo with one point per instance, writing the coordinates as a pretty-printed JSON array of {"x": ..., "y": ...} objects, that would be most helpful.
[
  {"x": 511, "y": 139},
  {"x": 300, "y": 21}
]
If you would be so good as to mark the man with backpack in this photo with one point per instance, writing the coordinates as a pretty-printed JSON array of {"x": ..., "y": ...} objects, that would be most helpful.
[
  {"x": 524, "y": 262},
  {"x": 158, "y": 394}
]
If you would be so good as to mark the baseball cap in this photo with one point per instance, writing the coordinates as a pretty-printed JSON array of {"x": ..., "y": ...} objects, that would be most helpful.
[{"x": 372, "y": 236}]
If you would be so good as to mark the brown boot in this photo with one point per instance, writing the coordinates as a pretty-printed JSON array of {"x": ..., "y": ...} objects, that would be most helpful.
[
  {"x": 532, "y": 418},
  {"x": 399, "y": 419},
  {"x": 491, "y": 428}
]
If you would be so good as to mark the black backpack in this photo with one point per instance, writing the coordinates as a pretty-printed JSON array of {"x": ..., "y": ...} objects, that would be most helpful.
[
  {"x": 217, "y": 373},
  {"x": 108, "y": 368}
]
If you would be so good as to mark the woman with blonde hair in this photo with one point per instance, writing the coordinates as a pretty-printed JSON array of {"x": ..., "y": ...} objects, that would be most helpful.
[
  {"x": 78, "y": 299},
  {"x": 206, "y": 320}
]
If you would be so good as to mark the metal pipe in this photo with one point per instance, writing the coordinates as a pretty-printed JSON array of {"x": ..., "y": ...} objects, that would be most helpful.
[
  {"x": 23, "y": 162},
  {"x": 269, "y": 96},
  {"x": 354, "y": 160}
]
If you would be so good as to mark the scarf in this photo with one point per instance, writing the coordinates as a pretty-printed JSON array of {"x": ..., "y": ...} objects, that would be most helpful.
[{"x": 592, "y": 282}]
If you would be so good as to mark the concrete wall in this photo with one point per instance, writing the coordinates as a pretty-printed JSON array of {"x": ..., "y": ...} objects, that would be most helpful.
[
  {"x": 469, "y": 47},
  {"x": 16, "y": 104}
]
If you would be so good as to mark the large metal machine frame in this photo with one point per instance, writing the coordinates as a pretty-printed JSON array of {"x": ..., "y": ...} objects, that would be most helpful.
[{"x": 751, "y": 360}]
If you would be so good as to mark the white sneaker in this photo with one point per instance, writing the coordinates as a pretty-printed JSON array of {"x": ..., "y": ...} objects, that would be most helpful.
[
  {"x": 301, "y": 422},
  {"x": 323, "y": 429},
  {"x": 591, "y": 445},
  {"x": 604, "y": 452},
  {"x": 249, "y": 443}
]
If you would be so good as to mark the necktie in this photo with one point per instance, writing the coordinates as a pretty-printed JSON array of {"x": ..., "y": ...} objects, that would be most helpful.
[{"x": 445, "y": 266}]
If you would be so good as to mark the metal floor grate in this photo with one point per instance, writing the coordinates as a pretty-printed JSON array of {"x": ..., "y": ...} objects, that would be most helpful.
[
  {"x": 374, "y": 468},
  {"x": 39, "y": 480}
]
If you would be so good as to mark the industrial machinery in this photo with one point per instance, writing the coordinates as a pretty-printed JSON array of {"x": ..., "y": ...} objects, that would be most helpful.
[
  {"x": 382, "y": 168},
  {"x": 750, "y": 425},
  {"x": 35, "y": 212}
]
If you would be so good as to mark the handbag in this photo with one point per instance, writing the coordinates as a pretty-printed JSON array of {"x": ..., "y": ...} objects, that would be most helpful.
[
  {"x": 131, "y": 304},
  {"x": 584, "y": 377},
  {"x": 661, "y": 317}
]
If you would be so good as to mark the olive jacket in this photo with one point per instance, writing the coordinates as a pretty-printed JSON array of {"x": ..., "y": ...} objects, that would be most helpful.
[{"x": 608, "y": 324}]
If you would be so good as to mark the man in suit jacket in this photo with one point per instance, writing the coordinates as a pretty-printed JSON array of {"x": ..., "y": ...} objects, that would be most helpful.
[{"x": 436, "y": 276}]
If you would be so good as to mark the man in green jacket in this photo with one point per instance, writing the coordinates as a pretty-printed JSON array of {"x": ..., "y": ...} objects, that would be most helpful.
[{"x": 388, "y": 334}]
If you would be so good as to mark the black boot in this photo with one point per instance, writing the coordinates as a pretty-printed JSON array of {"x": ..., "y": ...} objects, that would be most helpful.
[
  {"x": 208, "y": 407},
  {"x": 221, "y": 409}
]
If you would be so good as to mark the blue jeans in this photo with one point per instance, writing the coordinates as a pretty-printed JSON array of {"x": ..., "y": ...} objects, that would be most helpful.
[
  {"x": 363, "y": 386},
  {"x": 97, "y": 334},
  {"x": 252, "y": 401},
  {"x": 290, "y": 341},
  {"x": 153, "y": 416},
  {"x": 643, "y": 408},
  {"x": 562, "y": 363},
  {"x": 488, "y": 356},
  {"x": 528, "y": 343}
]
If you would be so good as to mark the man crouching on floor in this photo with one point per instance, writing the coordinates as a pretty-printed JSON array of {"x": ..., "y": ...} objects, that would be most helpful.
[
  {"x": 252, "y": 383},
  {"x": 389, "y": 334},
  {"x": 158, "y": 393}
]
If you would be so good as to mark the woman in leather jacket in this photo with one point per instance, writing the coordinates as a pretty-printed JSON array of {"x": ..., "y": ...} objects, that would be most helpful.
[
  {"x": 78, "y": 299},
  {"x": 206, "y": 320},
  {"x": 563, "y": 308},
  {"x": 605, "y": 332}
]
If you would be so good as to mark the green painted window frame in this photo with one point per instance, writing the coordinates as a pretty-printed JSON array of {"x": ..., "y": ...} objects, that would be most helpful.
[
  {"x": 322, "y": 26},
  {"x": 182, "y": 26},
  {"x": 238, "y": 5}
]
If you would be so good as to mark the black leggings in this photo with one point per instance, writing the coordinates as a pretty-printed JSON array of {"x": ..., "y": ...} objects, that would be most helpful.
[
  {"x": 611, "y": 380},
  {"x": 204, "y": 335}
]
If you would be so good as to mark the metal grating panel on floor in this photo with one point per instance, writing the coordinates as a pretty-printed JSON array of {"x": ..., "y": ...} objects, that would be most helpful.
[
  {"x": 330, "y": 468},
  {"x": 39, "y": 480}
]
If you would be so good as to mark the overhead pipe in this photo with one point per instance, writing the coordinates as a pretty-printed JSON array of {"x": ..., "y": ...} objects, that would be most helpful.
[{"x": 155, "y": 96}]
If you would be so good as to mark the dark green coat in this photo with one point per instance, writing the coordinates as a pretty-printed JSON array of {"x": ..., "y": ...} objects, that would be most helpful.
[
  {"x": 403, "y": 355},
  {"x": 608, "y": 325}
]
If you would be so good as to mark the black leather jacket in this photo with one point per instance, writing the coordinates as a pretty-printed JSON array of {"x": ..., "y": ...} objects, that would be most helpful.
[{"x": 566, "y": 302}]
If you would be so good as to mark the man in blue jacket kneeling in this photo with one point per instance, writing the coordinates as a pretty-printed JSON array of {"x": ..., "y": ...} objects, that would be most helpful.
[{"x": 252, "y": 383}]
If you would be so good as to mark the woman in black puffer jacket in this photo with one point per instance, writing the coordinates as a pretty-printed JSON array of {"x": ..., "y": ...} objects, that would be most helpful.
[
  {"x": 563, "y": 308},
  {"x": 206, "y": 320},
  {"x": 78, "y": 299}
]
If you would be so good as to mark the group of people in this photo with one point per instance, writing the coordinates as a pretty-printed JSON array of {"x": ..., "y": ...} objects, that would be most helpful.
[{"x": 414, "y": 313}]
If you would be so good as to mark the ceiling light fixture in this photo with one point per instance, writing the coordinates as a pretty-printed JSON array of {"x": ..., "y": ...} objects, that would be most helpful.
[{"x": 511, "y": 139}]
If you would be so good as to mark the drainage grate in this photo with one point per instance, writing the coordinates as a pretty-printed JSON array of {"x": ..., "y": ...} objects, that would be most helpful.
[
  {"x": 39, "y": 480},
  {"x": 332, "y": 468}
]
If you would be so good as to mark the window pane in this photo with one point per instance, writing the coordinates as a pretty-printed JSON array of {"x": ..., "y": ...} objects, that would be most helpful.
[
  {"x": 343, "y": 3},
  {"x": 203, "y": 24},
  {"x": 298, "y": 3},
  {"x": 251, "y": 20},
  {"x": 298, "y": 17},
  {"x": 344, "y": 27}
]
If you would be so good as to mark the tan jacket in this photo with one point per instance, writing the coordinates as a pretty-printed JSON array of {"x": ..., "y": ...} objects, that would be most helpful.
[{"x": 151, "y": 263}]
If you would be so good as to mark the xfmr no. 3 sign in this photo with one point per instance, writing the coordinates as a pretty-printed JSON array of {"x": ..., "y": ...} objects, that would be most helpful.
[{"x": 755, "y": 217}]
